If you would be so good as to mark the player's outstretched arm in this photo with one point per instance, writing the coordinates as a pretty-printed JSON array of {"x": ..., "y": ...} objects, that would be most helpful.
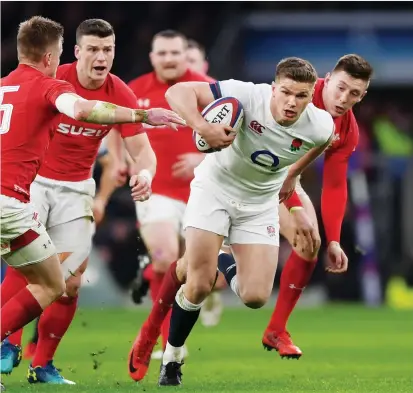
[
  {"x": 101, "y": 112},
  {"x": 144, "y": 158}
]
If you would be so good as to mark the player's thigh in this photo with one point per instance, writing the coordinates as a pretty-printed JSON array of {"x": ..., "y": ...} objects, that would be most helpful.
[
  {"x": 206, "y": 223},
  {"x": 40, "y": 201},
  {"x": 286, "y": 227},
  {"x": 73, "y": 242},
  {"x": 254, "y": 239},
  {"x": 24, "y": 240},
  {"x": 160, "y": 220},
  {"x": 69, "y": 201}
]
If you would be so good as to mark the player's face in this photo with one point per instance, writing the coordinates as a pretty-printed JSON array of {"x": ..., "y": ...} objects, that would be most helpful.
[
  {"x": 95, "y": 56},
  {"x": 52, "y": 58},
  {"x": 168, "y": 58},
  {"x": 289, "y": 99},
  {"x": 342, "y": 92},
  {"x": 196, "y": 60}
]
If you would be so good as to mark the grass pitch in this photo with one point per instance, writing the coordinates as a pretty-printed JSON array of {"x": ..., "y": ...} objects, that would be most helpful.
[{"x": 346, "y": 349}]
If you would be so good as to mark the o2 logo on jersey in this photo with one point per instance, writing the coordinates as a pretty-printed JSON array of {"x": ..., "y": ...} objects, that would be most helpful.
[
  {"x": 265, "y": 159},
  {"x": 75, "y": 130}
]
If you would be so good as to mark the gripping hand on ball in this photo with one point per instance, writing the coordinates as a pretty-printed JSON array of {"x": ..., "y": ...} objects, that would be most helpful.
[{"x": 218, "y": 136}]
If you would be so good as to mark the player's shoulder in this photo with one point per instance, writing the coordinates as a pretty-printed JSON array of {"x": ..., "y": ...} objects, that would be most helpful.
[
  {"x": 142, "y": 82},
  {"x": 63, "y": 71},
  {"x": 319, "y": 116},
  {"x": 321, "y": 121},
  {"x": 193, "y": 76},
  {"x": 122, "y": 93}
]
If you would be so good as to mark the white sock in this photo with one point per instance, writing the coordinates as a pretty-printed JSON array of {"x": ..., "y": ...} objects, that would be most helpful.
[
  {"x": 172, "y": 354},
  {"x": 234, "y": 285}
]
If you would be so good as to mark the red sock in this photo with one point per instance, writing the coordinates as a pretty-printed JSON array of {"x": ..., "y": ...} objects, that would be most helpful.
[
  {"x": 165, "y": 299},
  {"x": 165, "y": 329},
  {"x": 155, "y": 285},
  {"x": 53, "y": 325},
  {"x": 12, "y": 284},
  {"x": 18, "y": 312},
  {"x": 297, "y": 272}
]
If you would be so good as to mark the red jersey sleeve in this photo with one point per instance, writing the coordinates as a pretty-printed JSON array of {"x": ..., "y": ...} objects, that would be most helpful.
[
  {"x": 128, "y": 99},
  {"x": 54, "y": 88},
  {"x": 334, "y": 194}
]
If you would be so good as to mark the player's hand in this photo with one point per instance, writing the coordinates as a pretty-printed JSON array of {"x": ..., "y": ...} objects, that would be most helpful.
[
  {"x": 287, "y": 188},
  {"x": 141, "y": 188},
  {"x": 184, "y": 167},
  {"x": 306, "y": 236},
  {"x": 218, "y": 136},
  {"x": 337, "y": 261},
  {"x": 99, "y": 209},
  {"x": 120, "y": 174},
  {"x": 164, "y": 117}
]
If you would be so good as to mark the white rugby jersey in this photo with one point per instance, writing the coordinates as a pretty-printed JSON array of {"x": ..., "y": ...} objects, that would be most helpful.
[{"x": 254, "y": 167}]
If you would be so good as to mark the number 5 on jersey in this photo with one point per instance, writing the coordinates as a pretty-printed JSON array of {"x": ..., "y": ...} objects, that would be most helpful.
[{"x": 6, "y": 109}]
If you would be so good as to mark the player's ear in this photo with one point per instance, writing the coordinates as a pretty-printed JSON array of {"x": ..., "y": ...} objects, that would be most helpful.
[
  {"x": 151, "y": 57},
  {"x": 206, "y": 67},
  {"x": 327, "y": 78},
  {"x": 47, "y": 59},
  {"x": 77, "y": 51}
]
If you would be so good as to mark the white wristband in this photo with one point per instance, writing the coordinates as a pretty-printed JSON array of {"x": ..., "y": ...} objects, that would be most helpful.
[
  {"x": 146, "y": 174},
  {"x": 133, "y": 116}
]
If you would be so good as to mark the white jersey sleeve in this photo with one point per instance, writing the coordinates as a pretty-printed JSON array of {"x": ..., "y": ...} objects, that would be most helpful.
[{"x": 242, "y": 91}]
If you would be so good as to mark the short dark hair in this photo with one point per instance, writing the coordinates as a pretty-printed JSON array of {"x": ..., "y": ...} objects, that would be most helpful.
[
  {"x": 35, "y": 35},
  {"x": 356, "y": 66},
  {"x": 297, "y": 69},
  {"x": 192, "y": 44},
  {"x": 170, "y": 34},
  {"x": 97, "y": 27}
]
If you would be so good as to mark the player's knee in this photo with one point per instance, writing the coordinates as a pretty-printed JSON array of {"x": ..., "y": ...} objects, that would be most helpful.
[
  {"x": 199, "y": 288},
  {"x": 181, "y": 269},
  {"x": 55, "y": 289},
  {"x": 73, "y": 285},
  {"x": 307, "y": 254},
  {"x": 162, "y": 258},
  {"x": 255, "y": 298}
]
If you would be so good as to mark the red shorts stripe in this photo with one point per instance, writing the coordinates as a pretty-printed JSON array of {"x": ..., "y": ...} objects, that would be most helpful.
[{"x": 23, "y": 240}]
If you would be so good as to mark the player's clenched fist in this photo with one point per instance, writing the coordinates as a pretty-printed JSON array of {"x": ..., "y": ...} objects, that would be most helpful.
[
  {"x": 163, "y": 117},
  {"x": 141, "y": 187},
  {"x": 217, "y": 135}
]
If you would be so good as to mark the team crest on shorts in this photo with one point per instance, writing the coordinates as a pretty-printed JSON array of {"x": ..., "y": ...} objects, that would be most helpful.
[
  {"x": 296, "y": 144},
  {"x": 271, "y": 231}
]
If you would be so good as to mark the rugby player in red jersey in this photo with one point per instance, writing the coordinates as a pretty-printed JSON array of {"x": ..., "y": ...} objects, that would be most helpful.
[
  {"x": 160, "y": 218},
  {"x": 62, "y": 193},
  {"x": 337, "y": 93}
]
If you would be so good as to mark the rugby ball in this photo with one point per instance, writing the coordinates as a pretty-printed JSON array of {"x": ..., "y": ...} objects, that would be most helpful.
[{"x": 226, "y": 110}]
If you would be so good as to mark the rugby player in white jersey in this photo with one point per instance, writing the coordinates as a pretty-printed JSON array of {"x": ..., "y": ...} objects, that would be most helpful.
[{"x": 235, "y": 192}]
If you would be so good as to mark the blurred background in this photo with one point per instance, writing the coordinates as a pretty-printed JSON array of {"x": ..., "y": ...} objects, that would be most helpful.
[{"x": 244, "y": 40}]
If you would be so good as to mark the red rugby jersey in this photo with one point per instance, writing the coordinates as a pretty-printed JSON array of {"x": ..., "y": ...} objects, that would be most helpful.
[
  {"x": 74, "y": 148},
  {"x": 27, "y": 115},
  {"x": 167, "y": 144}
]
